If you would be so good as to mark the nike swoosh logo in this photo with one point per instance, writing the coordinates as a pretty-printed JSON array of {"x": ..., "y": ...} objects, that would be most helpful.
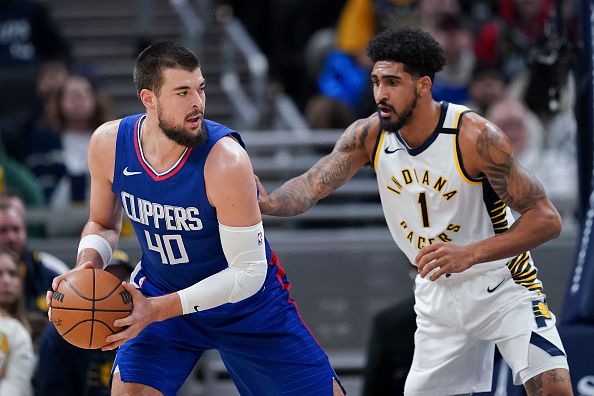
[
  {"x": 130, "y": 173},
  {"x": 388, "y": 151},
  {"x": 489, "y": 290}
]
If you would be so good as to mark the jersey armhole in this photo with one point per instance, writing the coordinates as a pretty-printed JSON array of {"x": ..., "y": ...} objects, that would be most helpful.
[
  {"x": 458, "y": 153},
  {"x": 379, "y": 141}
]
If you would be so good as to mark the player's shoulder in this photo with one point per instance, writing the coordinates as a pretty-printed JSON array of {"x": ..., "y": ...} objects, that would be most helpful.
[
  {"x": 369, "y": 126},
  {"x": 226, "y": 157},
  {"x": 361, "y": 135},
  {"x": 475, "y": 127},
  {"x": 106, "y": 132}
]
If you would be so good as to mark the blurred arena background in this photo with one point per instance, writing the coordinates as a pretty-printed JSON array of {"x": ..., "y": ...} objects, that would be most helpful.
[{"x": 270, "y": 75}]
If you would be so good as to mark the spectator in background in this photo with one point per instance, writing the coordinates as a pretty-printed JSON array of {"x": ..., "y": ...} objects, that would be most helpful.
[
  {"x": 17, "y": 359},
  {"x": 343, "y": 85},
  {"x": 487, "y": 86},
  {"x": 504, "y": 42},
  {"x": 455, "y": 38},
  {"x": 29, "y": 38},
  {"x": 58, "y": 156},
  {"x": 36, "y": 268},
  {"x": 524, "y": 130},
  {"x": 81, "y": 371},
  {"x": 554, "y": 165},
  {"x": 50, "y": 77}
]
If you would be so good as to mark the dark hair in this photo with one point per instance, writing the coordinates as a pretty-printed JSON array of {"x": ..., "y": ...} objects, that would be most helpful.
[
  {"x": 150, "y": 63},
  {"x": 417, "y": 50}
]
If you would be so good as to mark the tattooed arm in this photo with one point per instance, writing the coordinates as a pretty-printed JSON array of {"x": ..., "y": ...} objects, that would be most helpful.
[
  {"x": 487, "y": 151},
  {"x": 539, "y": 220},
  {"x": 351, "y": 152}
]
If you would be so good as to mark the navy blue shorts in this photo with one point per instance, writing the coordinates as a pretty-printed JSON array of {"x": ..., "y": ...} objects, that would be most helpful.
[{"x": 263, "y": 342}]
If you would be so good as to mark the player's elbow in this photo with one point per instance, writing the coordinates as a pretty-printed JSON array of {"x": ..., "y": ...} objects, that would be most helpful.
[
  {"x": 553, "y": 222},
  {"x": 248, "y": 280}
]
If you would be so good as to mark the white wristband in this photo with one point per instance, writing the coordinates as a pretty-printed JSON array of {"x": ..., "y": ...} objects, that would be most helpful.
[{"x": 99, "y": 244}]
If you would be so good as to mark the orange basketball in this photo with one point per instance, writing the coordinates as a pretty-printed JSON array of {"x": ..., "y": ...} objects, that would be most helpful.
[{"x": 85, "y": 306}]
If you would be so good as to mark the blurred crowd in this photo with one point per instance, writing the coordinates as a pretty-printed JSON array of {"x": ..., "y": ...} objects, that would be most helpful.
[{"x": 509, "y": 60}]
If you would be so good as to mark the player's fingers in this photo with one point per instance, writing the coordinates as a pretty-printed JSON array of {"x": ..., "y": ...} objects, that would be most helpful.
[
  {"x": 56, "y": 282},
  {"x": 120, "y": 336},
  {"x": 49, "y": 313},
  {"x": 430, "y": 268},
  {"x": 438, "y": 274},
  {"x": 425, "y": 260},
  {"x": 88, "y": 264},
  {"x": 425, "y": 251},
  {"x": 48, "y": 298},
  {"x": 113, "y": 345},
  {"x": 123, "y": 322},
  {"x": 131, "y": 289}
]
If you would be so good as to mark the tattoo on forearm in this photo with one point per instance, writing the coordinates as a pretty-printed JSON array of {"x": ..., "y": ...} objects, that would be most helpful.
[
  {"x": 291, "y": 201},
  {"x": 329, "y": 176},
  {"x": 299, "y": 194},
  {"x": 508, "y": 179},
  {"x": 539, "y": 384}
]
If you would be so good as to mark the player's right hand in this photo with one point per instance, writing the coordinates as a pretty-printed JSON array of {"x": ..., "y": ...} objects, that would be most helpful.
[
  {"x": 56, "y": 282},
  {"x": 263, "y": 198}
]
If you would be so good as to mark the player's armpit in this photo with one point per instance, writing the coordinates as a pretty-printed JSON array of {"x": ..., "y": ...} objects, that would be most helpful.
[{"x": 512, "y": 183}]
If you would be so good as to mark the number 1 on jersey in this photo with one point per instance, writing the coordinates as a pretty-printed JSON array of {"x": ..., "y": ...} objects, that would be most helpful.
[{"x": 424, "y": 212}]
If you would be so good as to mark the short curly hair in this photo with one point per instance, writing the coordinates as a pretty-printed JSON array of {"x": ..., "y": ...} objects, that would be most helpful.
[{"x": 416, "y": 49}]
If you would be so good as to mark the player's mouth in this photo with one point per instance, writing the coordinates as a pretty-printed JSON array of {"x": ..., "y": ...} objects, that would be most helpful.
[
  {"x": 385, "y": 111},
  {"x": 195, "y": 121}
]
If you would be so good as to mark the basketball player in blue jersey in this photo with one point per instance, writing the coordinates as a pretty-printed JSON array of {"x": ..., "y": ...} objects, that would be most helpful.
[
  {"x": 207, "y": 278},
  {"x": 447, "y": 179}
]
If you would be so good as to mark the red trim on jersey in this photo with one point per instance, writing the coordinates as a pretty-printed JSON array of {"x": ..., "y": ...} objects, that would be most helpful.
[
  {"x": 280, "y": 273},
  {"x": 148, "y": 170}
]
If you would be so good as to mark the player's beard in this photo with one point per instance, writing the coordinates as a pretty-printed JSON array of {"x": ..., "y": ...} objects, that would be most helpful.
[
  {"x": 181, "y": 135},
  {"x": 402, "y": 118}
]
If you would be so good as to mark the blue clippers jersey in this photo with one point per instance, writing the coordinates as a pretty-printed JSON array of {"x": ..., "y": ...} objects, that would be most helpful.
[{"x": 175, "y": 224}]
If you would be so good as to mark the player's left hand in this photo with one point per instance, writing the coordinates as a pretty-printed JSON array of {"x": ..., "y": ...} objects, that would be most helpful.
[
  {"x": 445, "y": 257},
  {"x": 143, "y": 314}
]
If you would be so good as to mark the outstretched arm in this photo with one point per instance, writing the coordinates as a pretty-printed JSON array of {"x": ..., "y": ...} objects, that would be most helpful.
[
  {"x": 351, "y": 152},
  {"x": 489, "y": 153}
]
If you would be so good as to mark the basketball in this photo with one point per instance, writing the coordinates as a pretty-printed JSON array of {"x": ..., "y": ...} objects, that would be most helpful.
[{"x": 86, "y": 304}]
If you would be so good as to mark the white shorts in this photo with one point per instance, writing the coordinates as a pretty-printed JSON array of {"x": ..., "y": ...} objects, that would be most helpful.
[{"x": 459, "y": 322}]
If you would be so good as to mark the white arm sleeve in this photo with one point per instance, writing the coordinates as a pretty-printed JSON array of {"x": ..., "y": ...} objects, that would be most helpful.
[{"x": 246, "y": 255}]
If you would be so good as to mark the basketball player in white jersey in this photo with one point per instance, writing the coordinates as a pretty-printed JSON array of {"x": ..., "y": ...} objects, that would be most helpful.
[{"x": 447, "y": 179}]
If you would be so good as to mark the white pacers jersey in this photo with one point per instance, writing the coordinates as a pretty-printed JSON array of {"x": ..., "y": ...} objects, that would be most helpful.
[{"x": 427, "y": 196}]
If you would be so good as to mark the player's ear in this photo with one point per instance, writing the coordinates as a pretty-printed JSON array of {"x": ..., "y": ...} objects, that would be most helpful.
[
  {"x": 424, "y": 85},
  {"x": 147, "y": 97}
]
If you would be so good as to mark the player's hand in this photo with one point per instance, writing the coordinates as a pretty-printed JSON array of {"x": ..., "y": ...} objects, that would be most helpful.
[
  {"x": 56, "y": 282},
  {"x": 442, "y": 258},
  {"x": 263, "y": 197},
  {"x": 143, "y": 314}
]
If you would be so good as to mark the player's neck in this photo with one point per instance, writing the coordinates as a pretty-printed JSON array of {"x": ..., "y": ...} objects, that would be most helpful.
[
  {"x": 422, "y": 124},
  {"x": 158, "y": 150}
]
